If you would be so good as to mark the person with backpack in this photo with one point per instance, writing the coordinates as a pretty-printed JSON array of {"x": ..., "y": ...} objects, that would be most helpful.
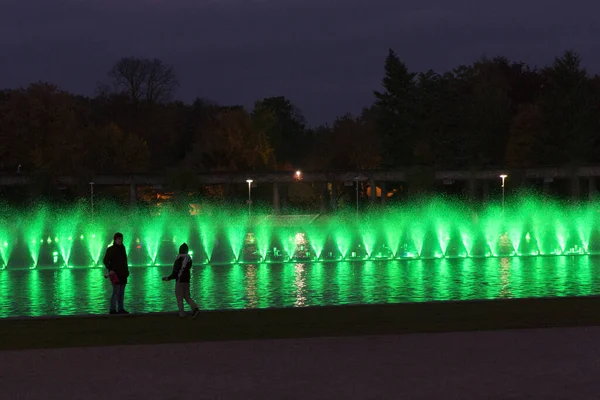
[{"x": 182, "y": 274}]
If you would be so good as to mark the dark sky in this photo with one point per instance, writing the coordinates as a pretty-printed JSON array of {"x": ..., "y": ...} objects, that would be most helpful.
[{"x": 324, "y": 55}]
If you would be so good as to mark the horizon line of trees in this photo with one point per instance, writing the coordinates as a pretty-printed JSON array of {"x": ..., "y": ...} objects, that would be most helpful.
[{"x": 493, "y": 112}]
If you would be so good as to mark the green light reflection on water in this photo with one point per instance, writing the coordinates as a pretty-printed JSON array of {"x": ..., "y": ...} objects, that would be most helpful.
[
  {"x": 442, "y": 281},
  {"x": 235, "y": 282},
  {"x": 343, "y": 283},
  {"x": 394, "y": 281},
  {"x": 505, "y": 278},
  {"x": 493, "y": 278},
  {"x": 300, "y": 290},
  {"x": 8, "y": 298},
  {"x": 368, "y": 282},
  {"x": 35, "y": 293},
  {"x": 316, "y": 284},
  {"x": 154, "y": 286},
  {"x": 287, "y": 289},
  {"x": 251, "y": 285},
  {"x": 538, "y": 274},
  {"x": 561, "y": 275},
  {"x": 94, "y": 287},
  {"x": 75, "y": 291},
  {"x": 416, "y": 278},
  {"x": 263, "y": 285},
  {"x": 65, "y": 293},
  {"x": 516, "y": 276},
  {"x": 204, "y": 287},
  {"x": 586, "y": 280},
  {"x": 467, "y": 281}
]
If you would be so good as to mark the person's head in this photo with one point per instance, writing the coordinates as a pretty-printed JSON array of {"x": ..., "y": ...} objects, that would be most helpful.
[
  {"x": 183, "y": 249},
  {"x": 118, "y": 238}
]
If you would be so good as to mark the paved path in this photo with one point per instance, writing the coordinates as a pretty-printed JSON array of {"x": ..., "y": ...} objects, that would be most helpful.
[{"x": 526, "y": 364}]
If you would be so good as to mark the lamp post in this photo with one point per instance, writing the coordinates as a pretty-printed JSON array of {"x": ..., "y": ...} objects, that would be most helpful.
[
  {"x": 249, "y": 194},
  {"x": 92, "y": 198},
  {"x": 503, "y": 177}
]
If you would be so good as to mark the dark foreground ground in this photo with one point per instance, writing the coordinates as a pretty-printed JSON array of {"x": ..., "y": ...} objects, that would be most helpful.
[
  {"x": 560, "y": 363},
  {"x": 361, "y": 320}
]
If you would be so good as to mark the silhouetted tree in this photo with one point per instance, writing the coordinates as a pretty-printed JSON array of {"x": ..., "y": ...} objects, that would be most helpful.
[
  {"x": 396, "y": 106},
  {"x": 569, "y": 107},
  {"x": 285, "y": 128},
  {"x": 353, "y": 143},
  {"x": 491, "y": 112},
  {"x": 143, "y": 79},
  {"x": 230, "y": 142},
  {"x": 526, "y": 138},
  {"x": 41, "y": 130},
  {"x": 110, "y": 150}
]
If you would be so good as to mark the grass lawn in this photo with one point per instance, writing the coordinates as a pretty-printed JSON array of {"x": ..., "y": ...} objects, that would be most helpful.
[{"x": 298, "y": 322}]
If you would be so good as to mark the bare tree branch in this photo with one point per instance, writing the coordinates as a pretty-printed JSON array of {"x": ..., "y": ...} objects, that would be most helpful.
[
  {"x": 161, "y": 82},
  {"x": 143, "y": 79}
]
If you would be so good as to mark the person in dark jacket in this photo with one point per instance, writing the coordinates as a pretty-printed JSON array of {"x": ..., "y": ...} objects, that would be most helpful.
[
  {"x": 115, "y": 261},
  {"x": 182, "y": 274}
]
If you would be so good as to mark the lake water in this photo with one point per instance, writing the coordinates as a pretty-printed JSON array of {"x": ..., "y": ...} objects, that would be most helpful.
[{"x": 48, "y": 292}]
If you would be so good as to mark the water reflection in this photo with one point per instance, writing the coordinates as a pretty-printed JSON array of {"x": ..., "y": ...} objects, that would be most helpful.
[
  {"x": 443, "y": 281},
  {"x": 367, "y": 276},
  {"x": 83, "y": 291},
  {"x": 562, "y": 275},
  {"x": 263, "y": 286},
  {"x": 416, "y": 281},
  {"x": 65, "y": 296},
  {"x": 505, "y": 266},
  {"x": 468, "y": 278},
  {"x": 34, "y": 292},
  {"x": 584, "y": 272},
  {"x": 95, "y": 287},
  {"x": 251, "y": 286},
  {"x": 300, "y": 285},
  {"x": 204, "y": 286}
]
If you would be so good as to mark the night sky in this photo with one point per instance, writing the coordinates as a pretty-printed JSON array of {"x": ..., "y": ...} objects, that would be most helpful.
[{"x": 324, "y": 55}]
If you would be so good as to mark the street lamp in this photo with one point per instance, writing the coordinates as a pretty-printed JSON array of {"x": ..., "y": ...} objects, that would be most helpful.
[
  {"x": 298, "y": 175},
  {"x": 503, "y": 177},
  {"x": 249, "y": 194}
]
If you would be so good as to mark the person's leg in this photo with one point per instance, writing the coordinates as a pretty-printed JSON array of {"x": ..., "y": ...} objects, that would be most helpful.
[
  {"x": 188, "y": 297},
  {"x": 190, "y": 301},
  {"x": 122, "y": 297},
  {"x": 114, "y": 298},
  {"x": 179, "y": 297}
]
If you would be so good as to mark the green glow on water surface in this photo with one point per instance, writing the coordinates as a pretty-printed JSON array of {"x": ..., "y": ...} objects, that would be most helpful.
[{"x": 65, "y": 291}]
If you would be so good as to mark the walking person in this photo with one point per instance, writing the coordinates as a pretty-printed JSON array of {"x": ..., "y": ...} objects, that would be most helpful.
[
  {"x": 182, "y": 274},
  {"x": 115, "y": 260}
]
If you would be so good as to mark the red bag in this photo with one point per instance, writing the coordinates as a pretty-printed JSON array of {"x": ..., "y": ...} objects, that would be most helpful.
[{"x": 114, "y": 279}]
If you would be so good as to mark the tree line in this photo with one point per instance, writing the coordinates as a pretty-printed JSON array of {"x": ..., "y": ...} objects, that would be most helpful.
[{"x": 493, "y": 112}]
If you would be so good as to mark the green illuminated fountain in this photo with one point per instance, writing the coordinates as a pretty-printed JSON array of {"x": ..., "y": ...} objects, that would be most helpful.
[{"x": 71, "y": 237}]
